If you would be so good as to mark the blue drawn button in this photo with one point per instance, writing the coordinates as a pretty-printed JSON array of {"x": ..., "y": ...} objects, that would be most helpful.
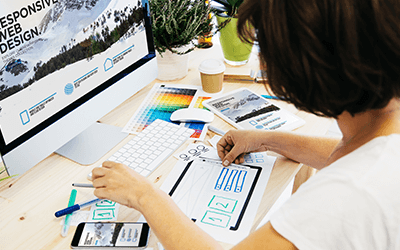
[
  {"x": 259, "y": 127},
  {"x": 24, "y": 117},
  {"x": 108, "y": 64},
  {"x": 68, "y": 89},
  {"x": 253, "y": 123}
]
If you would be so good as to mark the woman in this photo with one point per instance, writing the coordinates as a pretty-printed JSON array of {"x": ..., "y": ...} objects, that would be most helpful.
[{"x": 335, "y": 58}]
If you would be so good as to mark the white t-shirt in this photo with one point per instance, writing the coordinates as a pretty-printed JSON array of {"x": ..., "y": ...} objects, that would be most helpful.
[{"x": 352, "y": 204}]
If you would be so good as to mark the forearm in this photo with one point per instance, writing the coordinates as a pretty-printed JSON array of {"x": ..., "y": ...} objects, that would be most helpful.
[
  {"x": 310, "y": 150},
  {"x": 171, "y": 226}
]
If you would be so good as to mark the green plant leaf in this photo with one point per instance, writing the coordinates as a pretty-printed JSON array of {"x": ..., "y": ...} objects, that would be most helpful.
[{"x": 177, "y": 23}]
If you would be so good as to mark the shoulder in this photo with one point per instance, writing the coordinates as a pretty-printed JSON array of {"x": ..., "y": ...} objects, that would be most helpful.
[{"x": 353, "y": 201}]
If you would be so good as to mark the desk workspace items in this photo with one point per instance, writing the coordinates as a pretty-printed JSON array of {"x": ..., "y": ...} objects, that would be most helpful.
[
  {"x": 162, "y": 100},
  {"x": 223, "y": 201},
  {"x": 192, "y": 115},
  {"x": 75, "y": 207},
  {"x": 148, "y": 149},
  {"x": 67, "y": 220},
  {"x": 244, "y": 109}
]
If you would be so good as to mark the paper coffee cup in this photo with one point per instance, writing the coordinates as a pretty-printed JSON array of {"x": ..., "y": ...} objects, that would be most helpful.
[{"x": 212, "y": 75}]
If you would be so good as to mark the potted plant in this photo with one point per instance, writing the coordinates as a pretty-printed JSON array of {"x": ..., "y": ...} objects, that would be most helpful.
[
  {"x": 236, "y": 52},
  {"x": 176, "y": 25}
]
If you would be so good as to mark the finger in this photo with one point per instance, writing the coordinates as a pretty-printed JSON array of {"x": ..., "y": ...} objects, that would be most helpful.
[
  {"x": 102, "y": 193},
  {"x": 224, "y": 146},
  {"x": 223, "y": 141},
  {"x": 98, "y": 172},
  {"x": 239, "y": 159},
  {"x": 109, "y": 164},
  {"x": 232, "y": 155},
  {"x": 100, "y": 183}
]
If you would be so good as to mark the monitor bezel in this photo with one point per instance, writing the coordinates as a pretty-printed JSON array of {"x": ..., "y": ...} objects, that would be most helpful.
[{"x": 6, "y": 148}]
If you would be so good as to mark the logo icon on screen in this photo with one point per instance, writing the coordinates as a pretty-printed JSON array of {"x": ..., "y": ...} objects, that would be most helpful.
[{"x": 68, "y": 89}]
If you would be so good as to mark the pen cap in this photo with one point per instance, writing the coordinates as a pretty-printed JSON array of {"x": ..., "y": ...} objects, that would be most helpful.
[{"x": 68, "y": 210}]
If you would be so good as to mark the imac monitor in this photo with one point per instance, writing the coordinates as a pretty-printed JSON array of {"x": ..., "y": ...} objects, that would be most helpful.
[{"x": 64, "y": 65}]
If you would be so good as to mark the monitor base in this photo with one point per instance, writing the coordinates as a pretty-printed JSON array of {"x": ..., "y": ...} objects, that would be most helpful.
[{"x": 92, "y": 144}]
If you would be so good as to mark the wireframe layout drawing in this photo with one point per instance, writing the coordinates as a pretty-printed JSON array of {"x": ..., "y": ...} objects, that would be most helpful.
[{"x": 215, "y": 195}]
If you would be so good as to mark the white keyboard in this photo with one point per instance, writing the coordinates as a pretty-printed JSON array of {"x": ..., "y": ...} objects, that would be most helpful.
[{"x": 148, "y": 149}]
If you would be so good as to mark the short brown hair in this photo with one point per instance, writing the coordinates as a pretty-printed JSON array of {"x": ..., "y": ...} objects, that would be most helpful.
[{"x": 328, "y": 56}]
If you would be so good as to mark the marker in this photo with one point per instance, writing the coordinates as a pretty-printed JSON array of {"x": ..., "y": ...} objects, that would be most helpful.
[
  {"x": 216, "y": 130},
  {"x": 273, "y": 97},
  {"x": 87, "y": 185},
  {"x": 76, "y": 207},
  {"x": 71, "y": 202}
]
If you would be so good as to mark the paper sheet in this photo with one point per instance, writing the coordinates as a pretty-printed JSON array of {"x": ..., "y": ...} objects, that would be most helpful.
[
  {"x": 162, "y": 101},
  {"x": 222, "y": 201},
  {"x": 104, "y": 210}
]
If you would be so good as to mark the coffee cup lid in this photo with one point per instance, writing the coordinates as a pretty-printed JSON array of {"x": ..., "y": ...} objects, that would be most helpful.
[{"x": 212, "y": 66}]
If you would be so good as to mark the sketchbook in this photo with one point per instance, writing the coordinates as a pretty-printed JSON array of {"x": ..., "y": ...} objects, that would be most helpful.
[{"x": 245, "y": 109}]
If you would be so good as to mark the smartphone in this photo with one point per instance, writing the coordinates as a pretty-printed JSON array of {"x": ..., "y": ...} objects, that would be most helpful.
[{"x": 111, "y": 234}]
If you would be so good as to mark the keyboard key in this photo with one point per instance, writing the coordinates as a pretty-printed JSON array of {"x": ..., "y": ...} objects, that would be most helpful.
[
  {"x": 133, "y": 165},
  {"x": 158, "y": 140},
  {"x": 145, "y": 172},
  {"x": 159, "y": 159},
  {"x": 138, "y": 160},
  {"x": 122, "y": 150},
  {"x": 181, "y": 131}
]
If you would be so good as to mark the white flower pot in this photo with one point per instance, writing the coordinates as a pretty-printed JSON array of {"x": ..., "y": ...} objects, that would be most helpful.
[{"x": 172, "y": 66}]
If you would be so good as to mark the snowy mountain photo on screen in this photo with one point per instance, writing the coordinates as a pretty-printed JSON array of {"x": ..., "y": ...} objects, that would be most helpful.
[{"x": 68, "y": 32}]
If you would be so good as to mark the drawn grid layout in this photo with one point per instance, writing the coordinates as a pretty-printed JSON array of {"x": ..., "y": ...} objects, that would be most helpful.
[{"x": 216, "y": 195}]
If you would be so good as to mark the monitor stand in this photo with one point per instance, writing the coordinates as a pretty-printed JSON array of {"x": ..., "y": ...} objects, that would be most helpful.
[{"x": 92, "y": 144}]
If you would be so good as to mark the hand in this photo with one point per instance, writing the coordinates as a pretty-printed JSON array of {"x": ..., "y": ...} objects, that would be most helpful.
[
  {"x": 236, "y": 143},
  {"x": 117, "y": 182}
]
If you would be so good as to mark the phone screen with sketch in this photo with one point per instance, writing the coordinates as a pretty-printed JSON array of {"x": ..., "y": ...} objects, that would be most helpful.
[{"x": 119, "y": 234}]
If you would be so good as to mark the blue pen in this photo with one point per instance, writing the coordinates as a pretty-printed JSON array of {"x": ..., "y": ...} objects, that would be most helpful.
[
  {"x": 272, "y": 97},
  {"x": 76, "y": 207}
]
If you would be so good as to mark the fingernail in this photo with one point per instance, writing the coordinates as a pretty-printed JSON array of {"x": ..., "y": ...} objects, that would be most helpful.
[{"x": 226, "y": 163}]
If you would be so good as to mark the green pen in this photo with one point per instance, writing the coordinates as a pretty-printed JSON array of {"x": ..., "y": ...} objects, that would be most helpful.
[{"x": 65, "y": 228}]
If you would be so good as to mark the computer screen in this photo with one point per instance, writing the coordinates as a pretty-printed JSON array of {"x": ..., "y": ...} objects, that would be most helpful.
[{"x": 58, "y": 56}]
